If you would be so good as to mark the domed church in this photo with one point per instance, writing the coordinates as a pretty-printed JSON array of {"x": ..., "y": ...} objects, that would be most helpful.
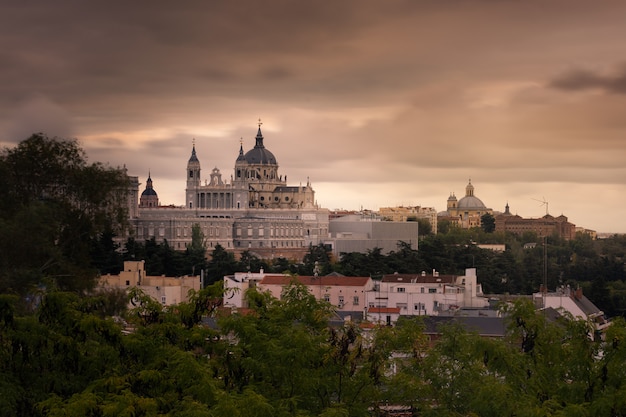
[
  {"x": 254, "y": 210},
  {"x": 467, "y": 211},
  {"x": 255, "y": 184},
  {"x": 149, "y": 197}
]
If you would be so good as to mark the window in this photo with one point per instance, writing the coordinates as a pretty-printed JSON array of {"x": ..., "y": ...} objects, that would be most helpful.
[
  {"x": 327, "y": 298},
  {"x": 432, "y": 291},
  {"x": 355, "y": 300},
  {"x": 341, "y": 300},
  {"x": 163, "y": 300},
  {"x": 401, "y": 289}
]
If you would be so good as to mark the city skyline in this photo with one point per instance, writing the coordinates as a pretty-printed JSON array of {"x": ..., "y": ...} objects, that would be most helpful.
[{"x": 377, "y": 104}]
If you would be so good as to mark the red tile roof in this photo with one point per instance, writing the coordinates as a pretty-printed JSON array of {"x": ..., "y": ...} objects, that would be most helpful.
[{"x": 312, "y": 281}]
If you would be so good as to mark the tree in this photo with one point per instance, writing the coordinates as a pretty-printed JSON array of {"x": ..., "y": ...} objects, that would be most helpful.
[
  {"x": 488, "y": 223},
  {"x": 250, "y": 262},
  {"x": 196, "y": 251},
  {"x": 318, "y": 260},
  {"x": 222, "y": 263},
  {"x": 424, "y": 228},
  {"x": 53, "y": 206}
]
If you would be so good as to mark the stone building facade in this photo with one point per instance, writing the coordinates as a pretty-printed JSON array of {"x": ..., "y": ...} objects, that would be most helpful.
[
  {"x": 255, "y": 210},
  {"x": 544, "y": 226}
]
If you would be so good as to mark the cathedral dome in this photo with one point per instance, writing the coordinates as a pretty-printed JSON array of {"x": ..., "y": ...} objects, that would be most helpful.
[
  {"x": 148, "y": 192},
  {"x": 470, "y": 202},
  {"x": 259, "y": 154}
]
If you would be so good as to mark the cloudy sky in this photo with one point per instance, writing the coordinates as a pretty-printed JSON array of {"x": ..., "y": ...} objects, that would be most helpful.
[{"x": 378, "y": 103}]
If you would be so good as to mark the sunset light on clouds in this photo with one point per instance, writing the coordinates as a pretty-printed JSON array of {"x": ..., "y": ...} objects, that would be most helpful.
[{"x": 377, "y": 103}]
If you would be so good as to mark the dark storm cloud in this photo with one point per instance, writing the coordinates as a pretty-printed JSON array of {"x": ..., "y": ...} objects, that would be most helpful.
[
  {"x": 579, "y": 79},
  {"x": 387, "y": 99}
]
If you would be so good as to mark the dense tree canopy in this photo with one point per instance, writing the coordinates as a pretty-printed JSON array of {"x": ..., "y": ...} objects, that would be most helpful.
[
  {"x": 53, "y": 206},
  {"x": 285, "y": 359}
]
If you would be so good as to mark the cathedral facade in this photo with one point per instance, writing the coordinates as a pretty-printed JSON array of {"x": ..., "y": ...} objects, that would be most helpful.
[{"x": 254, "y": 210}]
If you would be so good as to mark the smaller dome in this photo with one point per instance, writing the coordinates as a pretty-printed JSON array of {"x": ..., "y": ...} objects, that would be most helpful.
[{"x": 148, "y": 192}]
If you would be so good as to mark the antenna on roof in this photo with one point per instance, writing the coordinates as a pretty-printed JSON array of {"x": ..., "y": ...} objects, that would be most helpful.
[{"x": 543, "y": 203}]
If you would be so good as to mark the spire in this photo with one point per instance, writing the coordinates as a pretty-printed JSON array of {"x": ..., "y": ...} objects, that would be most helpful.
[
  {"x": 193, "y": 157},
  {"x": 241, "y": 156},
  {"x": 259, "y": 137}
]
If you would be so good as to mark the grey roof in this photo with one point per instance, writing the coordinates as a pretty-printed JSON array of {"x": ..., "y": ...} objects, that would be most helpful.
[
  {"x": 586, "y": 306},
  {"x": 484, "y": 326}
]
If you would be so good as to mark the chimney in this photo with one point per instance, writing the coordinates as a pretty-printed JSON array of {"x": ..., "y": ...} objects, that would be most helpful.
[{"x": 579, "y": 293}]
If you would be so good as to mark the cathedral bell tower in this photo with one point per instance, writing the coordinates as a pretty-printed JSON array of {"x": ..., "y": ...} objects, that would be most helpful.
[{"x": 193, "y": 179}]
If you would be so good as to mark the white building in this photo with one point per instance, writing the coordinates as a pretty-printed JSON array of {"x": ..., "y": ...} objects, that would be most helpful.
[
  {"x": 426, "y": 295},
  {"x": 379, "y": 301},
  {"x": 575, "y": 303}
]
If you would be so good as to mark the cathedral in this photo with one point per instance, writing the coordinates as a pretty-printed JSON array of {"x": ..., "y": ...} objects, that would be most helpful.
[
  {"x": 467, "y": 211},
  {"x": 254, "y": 210}
]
